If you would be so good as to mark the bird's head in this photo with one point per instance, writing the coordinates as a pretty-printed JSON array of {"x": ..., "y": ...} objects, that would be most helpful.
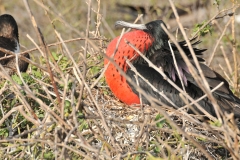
[
  {"x": 8, "y": 27},
  {"x": 154, "y": 28}
]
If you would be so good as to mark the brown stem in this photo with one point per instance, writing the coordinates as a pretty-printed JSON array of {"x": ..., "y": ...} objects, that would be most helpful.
[
  {"x": 84, "y": 56},
  {"x": 45, "y": 49}
]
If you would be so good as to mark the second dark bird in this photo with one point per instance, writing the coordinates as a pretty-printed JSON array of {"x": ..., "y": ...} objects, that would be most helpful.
[
  {"x": 152, "y": 41},
  {"x": 9, "y": 40}
]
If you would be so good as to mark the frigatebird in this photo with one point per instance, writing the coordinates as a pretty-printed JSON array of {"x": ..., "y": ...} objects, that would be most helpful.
[
  {"x": 9, "y": 40},
  {"x": 152, "y": 41}
]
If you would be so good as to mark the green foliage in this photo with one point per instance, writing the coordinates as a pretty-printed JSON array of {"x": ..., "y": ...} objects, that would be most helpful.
[
  {"x": 35, "y": 80},
  {"x": 17, "y": 79},
  {"x": 156, "y": 149},
  {"x": 207, "y": 29},
  {"x": 161, "y": 123},
  {"x": 62, "y": 60},
  {"x": 67, "y": 108},
  {"x": 36, "y": 72},
  {"x": 48, "y": 155},
  {"x": 32, "y": 80},
  {"x": 95, "y": 70},
  {"x": 216, "y": 123},
  {"x": 201, "y": 139},
  {"x": 216, "y": 2},
  {"x": 3, "y": 132},
  {"x": 26, "y": 77},
  {"x": 151, "y": 157},
  {"x": 83, "y": 123}
]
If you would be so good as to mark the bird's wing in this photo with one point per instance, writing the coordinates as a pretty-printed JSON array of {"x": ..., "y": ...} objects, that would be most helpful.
[
  {"x": 163, "y": 58},
  {"x": 225, "y": 100},
  {"x": 214, "y": 79},
  {"x": 183, "y": 45},
  {"x": 154, "y": 78}
]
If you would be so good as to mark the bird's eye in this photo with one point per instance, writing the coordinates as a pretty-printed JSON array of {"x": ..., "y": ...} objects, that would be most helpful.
[{"x": 150, "y": 27}]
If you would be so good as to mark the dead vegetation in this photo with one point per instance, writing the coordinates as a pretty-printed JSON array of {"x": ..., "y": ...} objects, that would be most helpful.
[{"x": 62, "y": 108}]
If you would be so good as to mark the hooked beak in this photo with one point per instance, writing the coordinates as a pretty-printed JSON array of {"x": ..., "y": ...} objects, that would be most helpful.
[{"x": 131, "y": 25}]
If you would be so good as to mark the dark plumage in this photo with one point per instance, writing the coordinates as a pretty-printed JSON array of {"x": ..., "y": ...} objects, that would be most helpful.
[
  {"x": 152, "y": 41},
  {"x": 9, "y": 40}
]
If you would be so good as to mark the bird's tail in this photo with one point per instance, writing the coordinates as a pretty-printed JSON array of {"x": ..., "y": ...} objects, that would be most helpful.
[
  {"x": 231, "y": 105},
  {"x": 236, "y": 107}
]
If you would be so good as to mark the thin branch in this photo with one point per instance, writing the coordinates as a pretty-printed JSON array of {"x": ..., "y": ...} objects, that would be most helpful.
[
  {"x": 219, "y": 39},
  {"x": 85, "y": 54},
  {"x": 45, "y": 48},
  {"x": 226, "y": 60}
]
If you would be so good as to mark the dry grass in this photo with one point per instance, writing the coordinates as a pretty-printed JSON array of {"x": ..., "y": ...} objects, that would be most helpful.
[{"x": 63, "y": 109}]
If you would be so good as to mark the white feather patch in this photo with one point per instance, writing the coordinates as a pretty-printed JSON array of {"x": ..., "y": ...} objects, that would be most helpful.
[{"x": 17, "y": 50}]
